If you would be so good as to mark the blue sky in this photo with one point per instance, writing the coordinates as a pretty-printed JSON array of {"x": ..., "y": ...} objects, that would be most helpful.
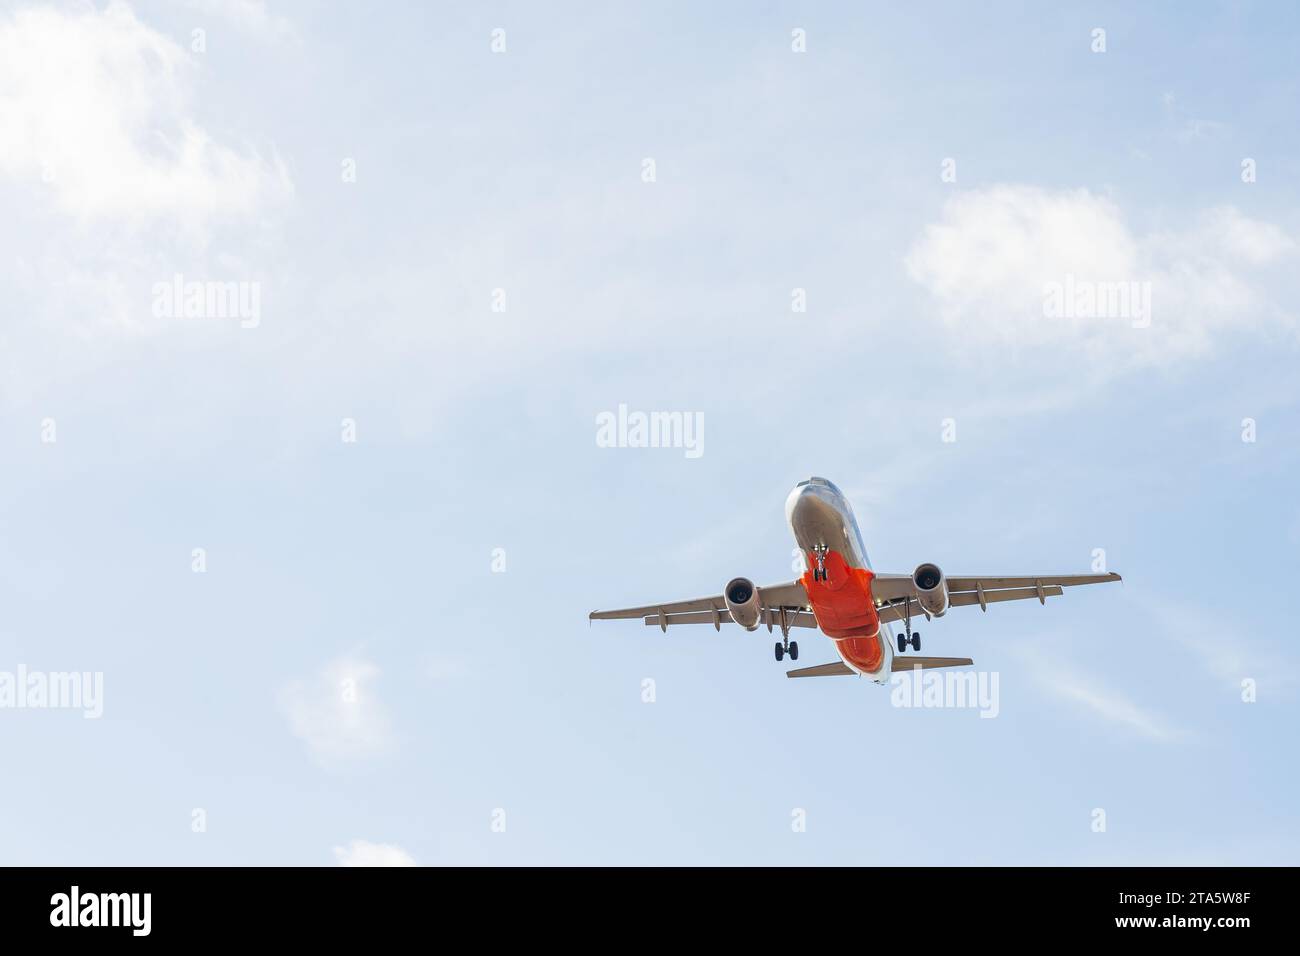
[{"x": 131, "y": 157}]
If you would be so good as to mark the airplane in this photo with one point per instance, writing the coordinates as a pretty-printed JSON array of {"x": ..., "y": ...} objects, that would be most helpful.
[{"x": 851, "y": 604}]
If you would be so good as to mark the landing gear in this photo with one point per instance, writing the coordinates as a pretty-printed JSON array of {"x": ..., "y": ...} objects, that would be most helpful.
[
  {"x": 908, "y": 636},
  {"x": 819, "y": 556},
  {"x": 785, "y": 645}
]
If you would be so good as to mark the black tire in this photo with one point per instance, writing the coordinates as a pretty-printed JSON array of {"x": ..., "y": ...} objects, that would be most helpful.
[
  {"x": 794, "y": 650},
  {"x": 916, "y": 643},
  {"x": 902, "y": 643},
  {"x": 780, "y": 652}
]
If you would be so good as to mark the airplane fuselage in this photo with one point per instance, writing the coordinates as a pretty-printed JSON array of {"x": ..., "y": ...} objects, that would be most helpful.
[{"x": 822, "y": 522}]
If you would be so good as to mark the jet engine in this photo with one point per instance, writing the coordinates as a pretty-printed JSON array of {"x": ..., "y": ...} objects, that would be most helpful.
[
  {"x": 931, "y": 589},
  {"x": 742, "y": 601}
]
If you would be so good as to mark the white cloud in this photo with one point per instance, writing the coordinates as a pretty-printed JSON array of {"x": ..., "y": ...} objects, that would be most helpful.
[
  {"x": 362, "y": 853},
  {"x": 97, "y": 111},
  {"x": 337, "y": 712},
  {"x": 989, "y": 260},
  {"x": 252, "y": 16}
]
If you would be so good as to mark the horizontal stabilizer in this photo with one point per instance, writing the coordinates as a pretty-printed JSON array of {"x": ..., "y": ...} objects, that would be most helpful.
[
  {"x": 839, "y": 668},
  {"x": 912, "y": 661}
]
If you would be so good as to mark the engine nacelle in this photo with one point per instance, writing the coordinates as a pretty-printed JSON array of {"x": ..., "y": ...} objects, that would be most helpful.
[
  {"x": 742, "y": 601},
  {"x": 931, "y": 589}
]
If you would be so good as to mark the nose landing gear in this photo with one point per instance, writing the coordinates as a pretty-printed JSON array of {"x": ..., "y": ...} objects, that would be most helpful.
[{"x": 819, "y": 556}]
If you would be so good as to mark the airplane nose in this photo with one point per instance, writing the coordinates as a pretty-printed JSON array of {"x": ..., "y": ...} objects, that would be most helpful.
[
  {"x": 806, "y": 500},
  {"x": 792, "y": 502}
]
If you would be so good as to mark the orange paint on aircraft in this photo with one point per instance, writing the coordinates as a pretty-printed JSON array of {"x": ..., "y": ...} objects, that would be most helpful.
[
  {"x": 863, "y": 653},
  {"x": 846, "y": 611}
]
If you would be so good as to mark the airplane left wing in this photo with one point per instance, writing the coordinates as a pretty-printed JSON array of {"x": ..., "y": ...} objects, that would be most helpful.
[
  {"x": 790, "y": 598},
  {"x": 896, "y": 593}
]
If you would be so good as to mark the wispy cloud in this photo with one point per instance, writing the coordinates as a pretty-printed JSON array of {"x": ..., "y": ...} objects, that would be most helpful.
[
  {"x": 1188, "y": 128},
  {"x": 1224, "y": 658},
  {"x": 1109, "y": 705},
  {"x": 363, "y": 853},
  {"x": 1106, "y": 703},
  {"x": 337, "y": 713},
  {"x": 252, "y": 16}
]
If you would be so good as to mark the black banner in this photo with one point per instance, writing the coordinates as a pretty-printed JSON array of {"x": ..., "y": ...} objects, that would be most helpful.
[{"x": 336, "y": 906}]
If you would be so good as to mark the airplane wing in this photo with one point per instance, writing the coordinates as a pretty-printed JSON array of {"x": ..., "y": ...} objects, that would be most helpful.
[
  {"x": 896, "y": 595},
  {"x": 775, "y": 598}
]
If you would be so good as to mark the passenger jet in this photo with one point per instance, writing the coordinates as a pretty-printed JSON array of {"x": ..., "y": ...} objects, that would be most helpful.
[{"x": 851, "y": 604}]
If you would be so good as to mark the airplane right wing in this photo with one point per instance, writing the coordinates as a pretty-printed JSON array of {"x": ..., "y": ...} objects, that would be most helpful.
[{"x": 788, "y": 599}]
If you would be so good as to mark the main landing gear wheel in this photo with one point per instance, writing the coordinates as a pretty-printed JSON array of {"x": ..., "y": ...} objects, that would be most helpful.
[
  {"x": 794, "y": 650},
  {"x": 914, "y": 640},
  {"x": 780, "y": 651}
]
